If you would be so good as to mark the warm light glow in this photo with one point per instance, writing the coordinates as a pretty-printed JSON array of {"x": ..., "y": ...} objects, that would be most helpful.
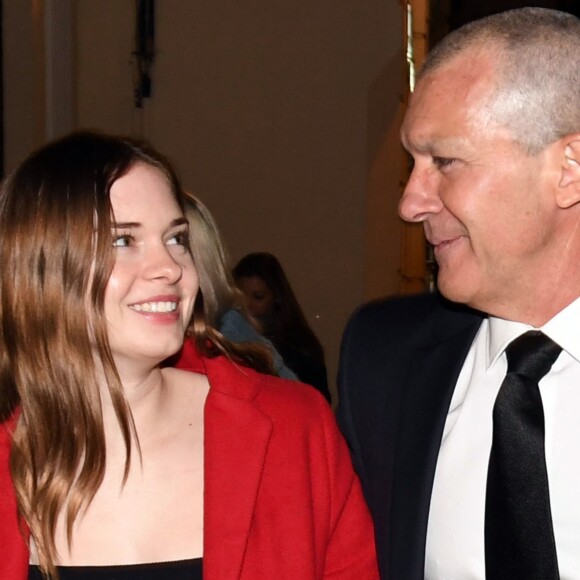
[{"x": 410, "y": 54}]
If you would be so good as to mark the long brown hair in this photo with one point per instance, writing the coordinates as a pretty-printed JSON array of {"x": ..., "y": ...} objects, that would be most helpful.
[{"x": 56, "y": 258}]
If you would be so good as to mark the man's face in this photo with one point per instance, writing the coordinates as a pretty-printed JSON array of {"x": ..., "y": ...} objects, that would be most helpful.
[{"x": 484, "y": 203}]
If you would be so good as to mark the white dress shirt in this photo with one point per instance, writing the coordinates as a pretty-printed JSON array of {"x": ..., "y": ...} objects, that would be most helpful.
[{"x": 455, "y": 532}]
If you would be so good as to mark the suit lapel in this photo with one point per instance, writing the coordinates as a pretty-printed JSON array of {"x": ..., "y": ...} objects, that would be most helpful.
[
  {"x": 432, "y": 376},
  {"x": 236, "y": 442}
]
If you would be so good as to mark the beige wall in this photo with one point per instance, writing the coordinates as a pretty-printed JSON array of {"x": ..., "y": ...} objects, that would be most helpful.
[
  {"x": 23, "y": 71},
  {"x": 283, "y": 116}
]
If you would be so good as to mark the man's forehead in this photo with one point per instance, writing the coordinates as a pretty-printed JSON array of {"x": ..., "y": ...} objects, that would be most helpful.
[
  {"x": 480, "y": 53},
  {"x": 471, "y": 69},
  {"x": 458, "y": 89}
]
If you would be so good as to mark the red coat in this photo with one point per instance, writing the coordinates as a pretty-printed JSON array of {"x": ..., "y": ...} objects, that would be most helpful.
[{"x": 281, "y": 498}]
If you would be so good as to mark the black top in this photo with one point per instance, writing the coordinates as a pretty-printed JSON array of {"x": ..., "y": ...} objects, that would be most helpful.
[{"x": 178, "y": 570}]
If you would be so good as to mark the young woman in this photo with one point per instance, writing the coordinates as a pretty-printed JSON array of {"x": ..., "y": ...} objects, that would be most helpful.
[{"x": 112, "y": 465}]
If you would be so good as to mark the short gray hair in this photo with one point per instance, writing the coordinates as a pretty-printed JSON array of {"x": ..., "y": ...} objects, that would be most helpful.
[{"x": 537, "y": 95}]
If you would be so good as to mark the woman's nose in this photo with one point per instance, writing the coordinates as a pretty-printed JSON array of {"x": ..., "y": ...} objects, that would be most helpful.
[{"x": 160, "y": 263}]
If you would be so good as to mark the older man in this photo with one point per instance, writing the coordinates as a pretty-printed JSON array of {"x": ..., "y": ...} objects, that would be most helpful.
[{"x": 462, "y": 412}]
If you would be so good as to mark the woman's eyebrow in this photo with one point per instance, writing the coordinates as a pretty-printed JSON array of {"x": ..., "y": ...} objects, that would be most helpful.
[
  {"x": 128, "y": 225},
  {"x": 125, "y": 225},
  {"x": 178, "y": 222}
]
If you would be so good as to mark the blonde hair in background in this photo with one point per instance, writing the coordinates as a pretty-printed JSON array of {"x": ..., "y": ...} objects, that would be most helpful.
[
  {"x": 218, "y": 292},
  {"x": 209, "y": 254}
]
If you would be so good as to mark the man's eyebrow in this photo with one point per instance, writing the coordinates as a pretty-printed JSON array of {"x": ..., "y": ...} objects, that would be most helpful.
[{"x": 434, "y": 143}]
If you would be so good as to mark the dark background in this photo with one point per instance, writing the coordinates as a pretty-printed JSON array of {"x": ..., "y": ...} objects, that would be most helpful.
[{"x": 449, "y": 14}]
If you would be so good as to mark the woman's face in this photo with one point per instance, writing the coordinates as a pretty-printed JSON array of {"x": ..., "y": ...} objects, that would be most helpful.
[
  {"x": 259, "y": 297},
  {"x": 150, "y": 294}
]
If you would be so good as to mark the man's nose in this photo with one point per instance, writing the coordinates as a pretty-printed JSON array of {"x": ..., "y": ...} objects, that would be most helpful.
[{"x": 421, "y": 196}]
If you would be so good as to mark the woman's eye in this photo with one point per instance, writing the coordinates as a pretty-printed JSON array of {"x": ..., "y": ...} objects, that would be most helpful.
[
  {"x": 179, "y": 239},
  {"x": 122, "y": 241}
]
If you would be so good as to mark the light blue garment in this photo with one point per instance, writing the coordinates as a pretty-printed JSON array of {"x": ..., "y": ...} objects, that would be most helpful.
[{"x": 236, "y": 328}]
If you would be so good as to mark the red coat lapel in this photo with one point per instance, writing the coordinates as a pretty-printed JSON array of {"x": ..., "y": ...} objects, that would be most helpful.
[{"x": 237, "y": 436}]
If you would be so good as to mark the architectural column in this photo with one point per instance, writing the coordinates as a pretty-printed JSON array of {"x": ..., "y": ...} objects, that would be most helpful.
[{"x": 414, "y": 275}]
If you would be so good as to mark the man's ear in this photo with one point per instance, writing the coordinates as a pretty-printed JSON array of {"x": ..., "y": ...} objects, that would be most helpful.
[{"x": 569, "y": 185}]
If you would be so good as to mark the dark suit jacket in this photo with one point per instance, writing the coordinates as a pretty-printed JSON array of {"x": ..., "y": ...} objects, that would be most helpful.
[
  {"x": 400, "y": 361},
  {"x": 281, "y": 499}
]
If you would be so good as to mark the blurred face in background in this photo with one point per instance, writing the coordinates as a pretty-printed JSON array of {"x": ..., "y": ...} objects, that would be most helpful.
[{"x": 259, "y": 297}]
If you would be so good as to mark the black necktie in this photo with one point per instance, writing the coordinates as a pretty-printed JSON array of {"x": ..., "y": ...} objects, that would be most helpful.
[{"x": 519, "y": 537}]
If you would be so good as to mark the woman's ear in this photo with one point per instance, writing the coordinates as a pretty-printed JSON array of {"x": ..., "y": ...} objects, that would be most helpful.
[{"x": 569, "y": 185}]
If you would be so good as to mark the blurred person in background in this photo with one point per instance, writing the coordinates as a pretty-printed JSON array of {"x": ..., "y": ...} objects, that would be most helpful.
[
  {"x": 271, "y": 300},
  {"x": 224, "y": 304}
]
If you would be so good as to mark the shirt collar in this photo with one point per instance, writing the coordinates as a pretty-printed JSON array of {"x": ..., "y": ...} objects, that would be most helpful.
[{"x": 564, "y": 329}]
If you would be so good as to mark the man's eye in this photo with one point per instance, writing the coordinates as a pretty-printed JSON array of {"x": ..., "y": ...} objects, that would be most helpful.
[
  {"x": 122, "y": 241},
  {"x": 442, "y": 162}
]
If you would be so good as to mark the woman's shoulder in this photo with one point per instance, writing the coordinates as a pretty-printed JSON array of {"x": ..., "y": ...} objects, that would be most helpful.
[
  {"x": 269, "y": 393},
  {"x": 233, "y": 380},
  {"x": 294, "y": 392}
]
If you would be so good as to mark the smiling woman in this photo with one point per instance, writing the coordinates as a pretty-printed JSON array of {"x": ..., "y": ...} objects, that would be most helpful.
[
  {"x": 150, "y": 237},
  {"x": 111, "y": 461}
]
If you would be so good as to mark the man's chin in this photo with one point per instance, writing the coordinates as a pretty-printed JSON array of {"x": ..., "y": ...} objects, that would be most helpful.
[{"x": 454, "y": 290}]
